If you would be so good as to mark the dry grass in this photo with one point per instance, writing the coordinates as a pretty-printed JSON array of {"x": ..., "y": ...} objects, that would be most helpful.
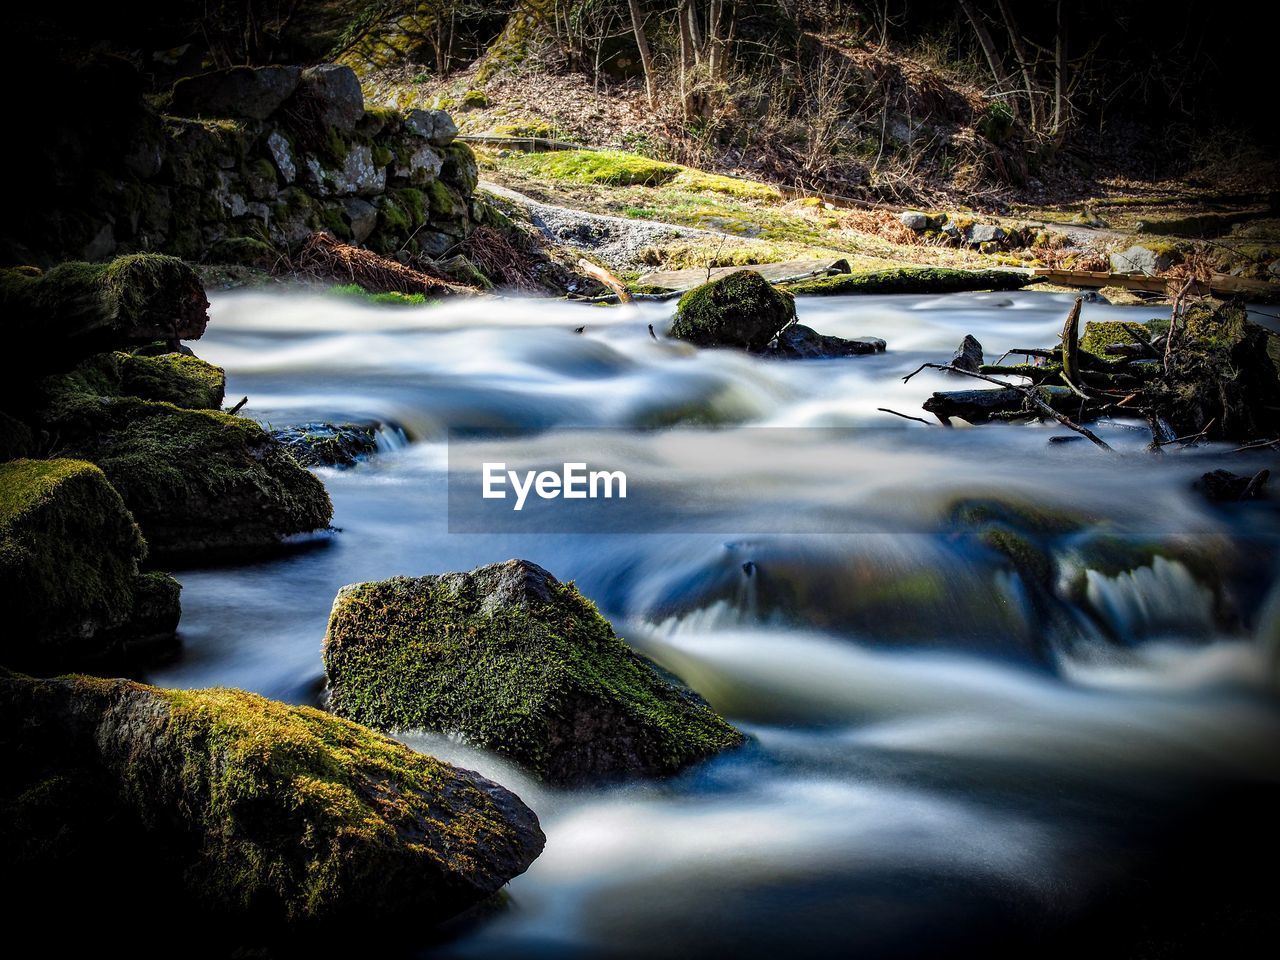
[{"x": 325, "y": 258}]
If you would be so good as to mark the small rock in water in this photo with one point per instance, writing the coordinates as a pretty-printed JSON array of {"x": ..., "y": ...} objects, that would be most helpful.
[
  {"x": 805, "y": 343},
  {"x": 1223, "y": 486},
  {"x": 968, "y": 355},
  {"x": 329, "y": 444}
]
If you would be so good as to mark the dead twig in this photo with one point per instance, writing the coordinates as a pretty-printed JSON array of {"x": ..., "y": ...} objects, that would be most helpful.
[
  {"x": 236, "y": 409},
  {"x": 1030, "y": 393},
  {"x": 905, "y": 416}
]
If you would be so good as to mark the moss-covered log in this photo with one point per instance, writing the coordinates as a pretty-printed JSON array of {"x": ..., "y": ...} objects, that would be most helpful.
[
  {"x": 741, "y": 310},
  {"x": 202, "y": 485},
  {"x": 217, "y": 805},
  {"x": 516, "y": 662},
  {"x": 54, "y": 318},
  {"x": 1000, "y": 403},
  {"x": 69, "y": 553},
  {"x": 913, "y": 280}
]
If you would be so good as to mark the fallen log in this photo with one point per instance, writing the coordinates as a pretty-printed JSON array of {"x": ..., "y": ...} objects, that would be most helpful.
[{"x": 982, "y": 406}]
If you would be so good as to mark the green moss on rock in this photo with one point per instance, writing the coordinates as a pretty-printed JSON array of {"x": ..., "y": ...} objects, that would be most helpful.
[
  {"x": 913, "y": 280},
  {"x": 222, "y": 804},
  {"x": 69, "y": 553},
  {"x": 84, "y": 308},
  {"x": 177, "y": 378},
  {"x": 739, "y": 310},
  {"x": 516, "y": 662},
  {"x": 201, "y": 484}
]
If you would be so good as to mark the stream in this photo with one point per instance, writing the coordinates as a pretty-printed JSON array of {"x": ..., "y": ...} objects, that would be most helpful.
[{"x": 943, "y": 758}]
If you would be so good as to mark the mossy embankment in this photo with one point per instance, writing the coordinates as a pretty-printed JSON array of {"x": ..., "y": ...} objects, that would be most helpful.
[
  {"x": 517, "y": 662},
  {"x": 225, "y": 806}
]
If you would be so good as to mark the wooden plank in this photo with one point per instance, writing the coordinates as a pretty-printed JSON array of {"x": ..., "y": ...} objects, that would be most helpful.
[{"x": 789, "y": 270}]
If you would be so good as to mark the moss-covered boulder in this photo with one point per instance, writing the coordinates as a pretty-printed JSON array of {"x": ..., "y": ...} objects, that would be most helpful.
[
  {"x": 135, "y": 802},
  {"x": 202, "y": 485},
  {"x": 913, "y": 280},
  {"x": 177, "y": 378},
  {"x": 516, "y": 662},
  {"x": 740, "y": 310},
  {"x": 52, "y": 319},
  {"x": 69, "y": 553}
]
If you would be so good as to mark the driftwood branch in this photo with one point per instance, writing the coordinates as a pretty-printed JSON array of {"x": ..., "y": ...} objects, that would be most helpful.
[{"x": 1029, "y": 392}]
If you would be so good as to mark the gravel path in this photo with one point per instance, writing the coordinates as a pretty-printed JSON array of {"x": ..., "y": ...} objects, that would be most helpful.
[{"x": 615, "y": 240}]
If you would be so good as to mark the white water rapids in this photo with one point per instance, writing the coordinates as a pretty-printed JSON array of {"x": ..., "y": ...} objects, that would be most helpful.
[{"x": 939, "y": 751}]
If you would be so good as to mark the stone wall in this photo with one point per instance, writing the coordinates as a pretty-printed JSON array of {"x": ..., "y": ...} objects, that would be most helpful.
[{"x": 239, "y": 164}]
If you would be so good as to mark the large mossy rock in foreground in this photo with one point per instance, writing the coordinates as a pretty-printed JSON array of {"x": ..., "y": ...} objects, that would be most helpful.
[
  {"x": 516, "y": 662},
  {"x": 134, "y": 803},
  {"x": 202, "y": 485},
  {"x": 69, "y": 583},
  {"x": 177, "y": 378},
  {"x": 52, "y": 319},
  {"x": 741, "y": 310}
]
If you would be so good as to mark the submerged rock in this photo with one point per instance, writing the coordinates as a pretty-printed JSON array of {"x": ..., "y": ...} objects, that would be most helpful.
[
  {"x": 740, "y": 310},
  {"x": 516, "y": 662},
  {"x": 329, "y": 444},
  {"x": 136, "y": 802},
  {"x": 202, "y": 484},
  {"x": 1223, "y": 486},
  {"x": 69, "y": 581},
  {"x": 805, "y": 343}
]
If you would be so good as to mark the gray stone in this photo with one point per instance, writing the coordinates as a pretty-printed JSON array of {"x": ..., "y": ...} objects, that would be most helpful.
[
  {"x": 435, "y": 125},
  {"x": 361, "y": 216},
  {"x": 968, "y": 355},
  {"x": 460, "y": 168},
  {"x": 102, "y": 245},
  {"x": 1273, "y": 268},
  {"x": 250, "y": 92},
  {"x": 144, "y": 159},
  {"x": 227, "y": 192},
  {"x": 981, "y": 233},
  {"x": 1140, "y": 259},
  {"x": 915, "y": 220},
  {"x": 435, "y": 244},
  {"x": 357, "y": 175},
  {"x": 421, "y": 167},
  {"x": 282, "y": 156},
  {"x": 804, "y": 343},
  {"x": 333, "y": 95}
]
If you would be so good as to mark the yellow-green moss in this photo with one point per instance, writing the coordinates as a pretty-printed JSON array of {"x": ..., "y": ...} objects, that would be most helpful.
[
  {"x": 912, "y": 280},
  {"x": 610, "y": 167},
  {"x": 739, "y": 310},
  {"x": 176, "y": 378},
  {"x": 438, "y": 653},
  {"x": 69, "y": 551}
]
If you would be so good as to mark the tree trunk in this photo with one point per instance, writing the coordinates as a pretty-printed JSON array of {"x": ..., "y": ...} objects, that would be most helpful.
[
  {"x": 1024, "y": 63},
  {"x": 987, "y": 44},
  {"x": 1059, "y": 68},
  {"x": 646, "y": 56},
  {"x": 686, "y": 56},
  {"x": 715, "y": 44}
]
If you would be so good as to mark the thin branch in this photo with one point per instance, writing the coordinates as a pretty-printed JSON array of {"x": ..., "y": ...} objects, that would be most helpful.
[
  {"x": 1029, "y": 393},
  {"x": 905, "y": 416}
]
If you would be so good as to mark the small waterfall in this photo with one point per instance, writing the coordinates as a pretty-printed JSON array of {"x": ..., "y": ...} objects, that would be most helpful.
[{"x": 1150, "y": 601}]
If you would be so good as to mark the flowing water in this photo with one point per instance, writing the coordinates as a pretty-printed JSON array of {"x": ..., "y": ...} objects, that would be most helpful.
[{"x": 946, "y": 753}]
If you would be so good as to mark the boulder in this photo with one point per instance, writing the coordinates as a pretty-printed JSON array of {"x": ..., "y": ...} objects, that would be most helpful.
[
  {"x": 968, "y": 355},
  {"x": 435, "y": 126},
  {"x": 357, "y": 174},
  {"x": 329, "y": 444},
  {"x": 981, "y": 233},
  {"x": 202, "y": 485},
  {"x": 1223, "y": 486},
  {"x": 516, "y": 662},
  {"x": 177, "y": 378},
  {"x": 460, "y": 168},
  {"x": 51, "y": 320},
  {"x": 804, "y": 343},
  {"x": 250, "y": 816},
  {"x": 1140, "y": 259},
  {"x": 419, "y": 166},
  {"x": 360, "y": 216},
  {"x": 69, "y": 553},
  {"x": 915, "y": 220},
  {"x": 331, "y": 94},
  {"x": 282, "y": 156},
  {"x": 739, "y": 310},
  {"x": 254, "y": 93}
]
